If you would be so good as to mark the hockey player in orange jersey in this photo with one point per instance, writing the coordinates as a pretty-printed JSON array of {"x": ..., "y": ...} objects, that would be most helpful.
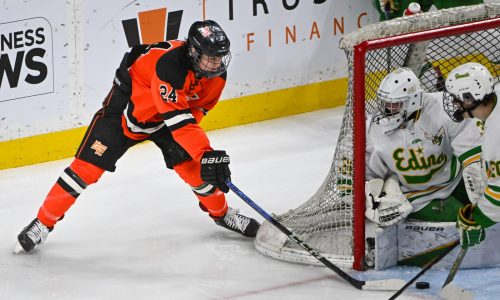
[{"x": 160, "y": 93}]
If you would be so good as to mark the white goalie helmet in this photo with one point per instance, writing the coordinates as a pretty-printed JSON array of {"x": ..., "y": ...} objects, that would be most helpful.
[
  {"x": 468, "y": 82},
  {"x": 398, "y": 96}
]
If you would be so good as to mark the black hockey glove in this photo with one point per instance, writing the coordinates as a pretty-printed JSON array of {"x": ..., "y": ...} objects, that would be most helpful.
[{"x": 215, "y": 168}]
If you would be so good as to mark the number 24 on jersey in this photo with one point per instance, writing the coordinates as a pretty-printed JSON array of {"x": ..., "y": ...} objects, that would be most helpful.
[{"x": 166, "y": 95}]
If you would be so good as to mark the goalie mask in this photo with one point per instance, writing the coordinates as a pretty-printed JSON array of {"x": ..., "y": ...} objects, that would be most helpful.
[
  {"x": 466, "y": 86},
  {"x": 398, "y": 96},
  {"x": 208, "y": 48}
]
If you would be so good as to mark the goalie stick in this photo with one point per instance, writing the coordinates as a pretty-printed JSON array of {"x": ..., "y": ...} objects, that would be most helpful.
[
  {"x": 373, "y": 285},
  {"x": 427, "y": 267}
]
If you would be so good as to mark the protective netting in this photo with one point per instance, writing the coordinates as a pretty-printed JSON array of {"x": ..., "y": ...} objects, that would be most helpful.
[{"x": 325, "y": 221}]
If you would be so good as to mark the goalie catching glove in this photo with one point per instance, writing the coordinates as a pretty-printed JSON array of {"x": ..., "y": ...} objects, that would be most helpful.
[
  {"x": 215, "y": 169},
  {"x": 385, "y": 203}
]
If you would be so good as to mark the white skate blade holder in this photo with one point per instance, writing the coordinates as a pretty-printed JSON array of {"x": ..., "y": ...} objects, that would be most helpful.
[
  {"x": 18, "y": 248},
  {"x": 453, "y": 292}
]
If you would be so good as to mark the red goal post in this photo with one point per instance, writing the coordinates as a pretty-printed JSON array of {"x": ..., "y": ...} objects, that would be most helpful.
[{"x": 332, "y": 221}]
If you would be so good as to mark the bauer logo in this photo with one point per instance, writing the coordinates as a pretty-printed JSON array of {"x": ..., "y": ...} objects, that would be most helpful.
[
  {"x": 26, "y": 59},
  {"x": 152, "y": 26},
  {"x": 423, "y": 228}
]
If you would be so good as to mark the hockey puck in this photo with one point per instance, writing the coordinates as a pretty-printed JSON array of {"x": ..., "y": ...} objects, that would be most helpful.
[{"x": 422, "y": 285}]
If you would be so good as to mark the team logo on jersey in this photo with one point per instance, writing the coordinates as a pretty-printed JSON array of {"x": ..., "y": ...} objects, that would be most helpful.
[
  {"x": 437, "y": 138},
  {"x": 416, "y": 161},
  {"x": 154, "y": 26},
  {"x": 99, "y": 148}
]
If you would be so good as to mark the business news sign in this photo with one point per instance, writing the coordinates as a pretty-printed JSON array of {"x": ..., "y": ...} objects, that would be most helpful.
[{"x": 26, "y": 59}]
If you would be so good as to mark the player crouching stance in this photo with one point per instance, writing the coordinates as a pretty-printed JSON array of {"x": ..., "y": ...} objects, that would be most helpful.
[
  {"x": 160, "y": 93},
  {"x": 416, "y": 156}
]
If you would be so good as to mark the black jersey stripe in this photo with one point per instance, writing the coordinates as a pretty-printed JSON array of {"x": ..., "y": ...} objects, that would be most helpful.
[
  {"x": 178, "y": 118},
  {"x": 130, "y": 109}
]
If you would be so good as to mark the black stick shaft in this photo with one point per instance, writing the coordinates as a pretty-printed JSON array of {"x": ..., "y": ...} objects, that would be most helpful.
[{"x": 353, "y": 281}]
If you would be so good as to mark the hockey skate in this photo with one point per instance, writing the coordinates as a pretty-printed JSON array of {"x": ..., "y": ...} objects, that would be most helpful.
[
  {"x": 239, "y": 223},
  {"x": 33, "y": 234}
]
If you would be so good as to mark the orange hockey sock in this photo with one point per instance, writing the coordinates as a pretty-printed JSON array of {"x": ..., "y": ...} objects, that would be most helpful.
[
  {"x": 212, "y": 200},
  {"x": 68, "y": 187}
]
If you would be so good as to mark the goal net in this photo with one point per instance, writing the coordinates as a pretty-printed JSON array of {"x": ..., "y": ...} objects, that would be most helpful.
[{"x": 431, "y": 44}]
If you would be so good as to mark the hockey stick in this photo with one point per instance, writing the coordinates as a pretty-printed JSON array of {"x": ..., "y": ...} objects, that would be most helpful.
[
  {"x": 450, "y": 290},
  {"x": 455, "y": 266},
  {"x": 374, "y": 285},
  {"x": 387, "y": 11},
  {"x": 427, "y": 267}
]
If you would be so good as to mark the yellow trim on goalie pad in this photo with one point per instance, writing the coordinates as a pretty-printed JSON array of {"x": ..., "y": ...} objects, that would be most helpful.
[
  {"x": 227, "y": 113},
  {"x": 423, "y": 259}
]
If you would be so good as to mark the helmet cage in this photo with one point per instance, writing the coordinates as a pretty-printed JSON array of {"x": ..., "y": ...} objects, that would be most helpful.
[
  {"x": 207, "y": 65},
  {"x": 393, "y": 112},
  {"x": 454, "y": 107}
]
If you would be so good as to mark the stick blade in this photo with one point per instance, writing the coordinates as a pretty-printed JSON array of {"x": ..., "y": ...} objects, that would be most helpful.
[
  {"x": 384, "y": 285},
  {"x": 453, "y": 292}
]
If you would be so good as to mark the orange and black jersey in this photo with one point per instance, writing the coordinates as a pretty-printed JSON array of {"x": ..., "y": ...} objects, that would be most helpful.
[{"x": 165, "y": 92}]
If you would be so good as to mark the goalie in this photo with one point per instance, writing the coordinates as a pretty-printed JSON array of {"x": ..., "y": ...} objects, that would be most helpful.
[{"x": 419, "y": 163}]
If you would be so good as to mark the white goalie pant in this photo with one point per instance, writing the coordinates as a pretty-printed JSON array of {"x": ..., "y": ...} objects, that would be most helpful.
[{"x": 414, "y": 238}]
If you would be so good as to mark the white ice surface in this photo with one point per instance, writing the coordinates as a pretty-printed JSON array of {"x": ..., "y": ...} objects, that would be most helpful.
[{"x": 139, "y": 234}]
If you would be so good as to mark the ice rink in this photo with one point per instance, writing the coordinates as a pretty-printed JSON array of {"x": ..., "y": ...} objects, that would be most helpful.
[{"x": 139, "y": 234}]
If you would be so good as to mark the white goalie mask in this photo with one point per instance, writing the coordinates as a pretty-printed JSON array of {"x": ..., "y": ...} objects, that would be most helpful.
[
  {"x": 470, "y": 82},
  {"x": 398, "y": 96}
]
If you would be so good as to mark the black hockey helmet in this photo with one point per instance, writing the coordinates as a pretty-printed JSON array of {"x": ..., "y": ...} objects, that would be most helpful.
[{"x": 206, "y": 38}]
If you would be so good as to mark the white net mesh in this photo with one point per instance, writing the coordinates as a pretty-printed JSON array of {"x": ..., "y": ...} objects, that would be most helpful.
[{"x": 325, "y": 221}]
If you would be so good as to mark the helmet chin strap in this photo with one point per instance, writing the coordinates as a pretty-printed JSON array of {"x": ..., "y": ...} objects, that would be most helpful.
[{"x": 469, "y": 110}]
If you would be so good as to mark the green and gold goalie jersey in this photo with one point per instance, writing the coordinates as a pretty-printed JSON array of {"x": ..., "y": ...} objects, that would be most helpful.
[{"x": 427, "y": 154}]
